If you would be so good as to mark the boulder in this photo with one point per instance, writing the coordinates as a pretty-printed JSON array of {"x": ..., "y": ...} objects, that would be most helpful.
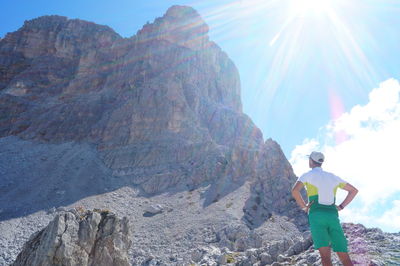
[
  {"x": 153, "y": 210},
  {"x": 79, "y": 238}
]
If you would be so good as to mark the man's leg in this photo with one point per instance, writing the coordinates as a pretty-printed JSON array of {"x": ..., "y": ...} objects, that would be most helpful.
[
  {"x": 320, "y": 236},
  {"x": 344, "y": 258},
  {"x": 325, "y": 253},
  {"x": 339, "y": 242}
]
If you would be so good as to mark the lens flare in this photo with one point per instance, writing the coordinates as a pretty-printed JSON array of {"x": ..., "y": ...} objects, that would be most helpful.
[
  {"x": 296, "y": 45},
  {"x": 309, "y": 7}
]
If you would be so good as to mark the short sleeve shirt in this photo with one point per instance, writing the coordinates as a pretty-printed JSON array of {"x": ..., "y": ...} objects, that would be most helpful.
[{"x": 321, "y": 185}]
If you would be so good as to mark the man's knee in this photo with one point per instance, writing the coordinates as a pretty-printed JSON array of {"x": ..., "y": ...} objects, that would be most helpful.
[
  {"x": 345, "y": 258},
  {"x": 325, "y": 252}
]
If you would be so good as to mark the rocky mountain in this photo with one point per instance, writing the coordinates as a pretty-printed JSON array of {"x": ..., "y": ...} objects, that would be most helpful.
[
  {"x": 164, "y": 104},
  {"x": 150, "y": 127}
]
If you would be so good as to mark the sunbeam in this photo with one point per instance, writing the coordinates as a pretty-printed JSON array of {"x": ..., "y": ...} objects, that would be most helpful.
[{"x": 296, "y": 39}]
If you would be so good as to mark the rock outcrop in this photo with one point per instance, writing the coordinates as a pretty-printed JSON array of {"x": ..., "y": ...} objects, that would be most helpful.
[
  {"x": 270, "y": 187},
  {"x": 79, "y": 237},
  {"x": 367, "y": 246}
]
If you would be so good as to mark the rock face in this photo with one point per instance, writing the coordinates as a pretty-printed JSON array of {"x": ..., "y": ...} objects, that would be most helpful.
[
  {"x": 270, "y": 187},
  {"x": 81, "y": 238},
  {"x": 163, "y": 107}
]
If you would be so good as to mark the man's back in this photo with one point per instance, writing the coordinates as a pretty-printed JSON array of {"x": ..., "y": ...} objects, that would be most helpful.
[{"x": 321, "y": 188}]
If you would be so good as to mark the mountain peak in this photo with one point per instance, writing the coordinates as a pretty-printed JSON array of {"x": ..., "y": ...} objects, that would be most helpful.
[
  {"x": 57, "y": 35},
  {"x": 181, "y": 25},
  {"x": 57, "y": 23},
  {"x": 178, "y": 11},
  {"x": 45, "y": 20}
]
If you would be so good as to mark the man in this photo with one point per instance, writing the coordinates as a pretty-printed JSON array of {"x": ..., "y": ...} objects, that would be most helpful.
[{"x": 322, "y": 212}]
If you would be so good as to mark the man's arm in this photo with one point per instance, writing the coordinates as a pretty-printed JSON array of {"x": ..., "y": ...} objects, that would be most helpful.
[
  {"x": 352, "y": 192},
  {"x": 297, "y": 196}
]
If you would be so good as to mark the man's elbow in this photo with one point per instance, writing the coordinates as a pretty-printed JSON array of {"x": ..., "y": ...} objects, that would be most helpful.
[
  {"x": 294, "y": 192},
  {"x": 296, "y": 189},
  {"x": 353, "y": 191}
]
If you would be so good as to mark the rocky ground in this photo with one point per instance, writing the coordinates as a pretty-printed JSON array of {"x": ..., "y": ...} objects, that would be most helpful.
[
  {"x": 169, "y": 228},
  {"x": 176, "y": 229}
]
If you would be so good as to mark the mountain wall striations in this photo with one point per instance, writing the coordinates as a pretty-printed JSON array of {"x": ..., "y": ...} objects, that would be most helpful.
[{"x": 163, "y": 107}]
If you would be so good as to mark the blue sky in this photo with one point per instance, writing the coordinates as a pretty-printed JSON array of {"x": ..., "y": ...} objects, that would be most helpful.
[{"x": 304, "y": 64}]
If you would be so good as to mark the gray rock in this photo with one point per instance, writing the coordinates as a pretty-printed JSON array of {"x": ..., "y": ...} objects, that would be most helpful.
[
  {"x": 197, "y": 255},
  {"x": 89, "y": 238},
  {"x": 139, "y": 252},
  {"x": 241, "y": 244},
  {"x": 253, "y": 259},
  {"x": 282, "y": 258},
  {"x": 274, "y": 250},
  {"x": 154, "y": 209},
  {"x": 51, "y": 210},
  {"x": 252, "y": 252},
  {"x": 61, "y": 209},
  {"x": 153, "y": 262},
  {"x": 266, "y": 258},
  {"x": 222, "y": 259},
  {"x": 235, "y": 231},
  {"x": 313, "y": 257}
]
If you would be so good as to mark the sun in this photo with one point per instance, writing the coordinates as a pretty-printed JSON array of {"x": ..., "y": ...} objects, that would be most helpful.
[
  {"x": 303, "y": 8},
  {"x": 299, "y": 38}
]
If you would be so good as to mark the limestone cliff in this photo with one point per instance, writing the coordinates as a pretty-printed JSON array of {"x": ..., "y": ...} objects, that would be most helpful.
[{"x": 163, "y": 107}]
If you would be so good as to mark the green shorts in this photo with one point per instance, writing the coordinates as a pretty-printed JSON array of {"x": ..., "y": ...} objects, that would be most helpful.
[{"x": 326, "y": 230}]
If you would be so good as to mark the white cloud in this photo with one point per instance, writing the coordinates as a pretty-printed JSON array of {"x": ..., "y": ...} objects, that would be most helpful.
[
  {"x": 363, "y": 146},
  {"x": 391, "y": 218}
]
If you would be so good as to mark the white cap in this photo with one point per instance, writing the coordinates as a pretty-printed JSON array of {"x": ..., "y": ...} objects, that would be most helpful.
[{"x": 317, "y": 157}]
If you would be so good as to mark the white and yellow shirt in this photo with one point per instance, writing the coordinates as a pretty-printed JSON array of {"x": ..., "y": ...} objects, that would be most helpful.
[{"x": 321, "y": 188}]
